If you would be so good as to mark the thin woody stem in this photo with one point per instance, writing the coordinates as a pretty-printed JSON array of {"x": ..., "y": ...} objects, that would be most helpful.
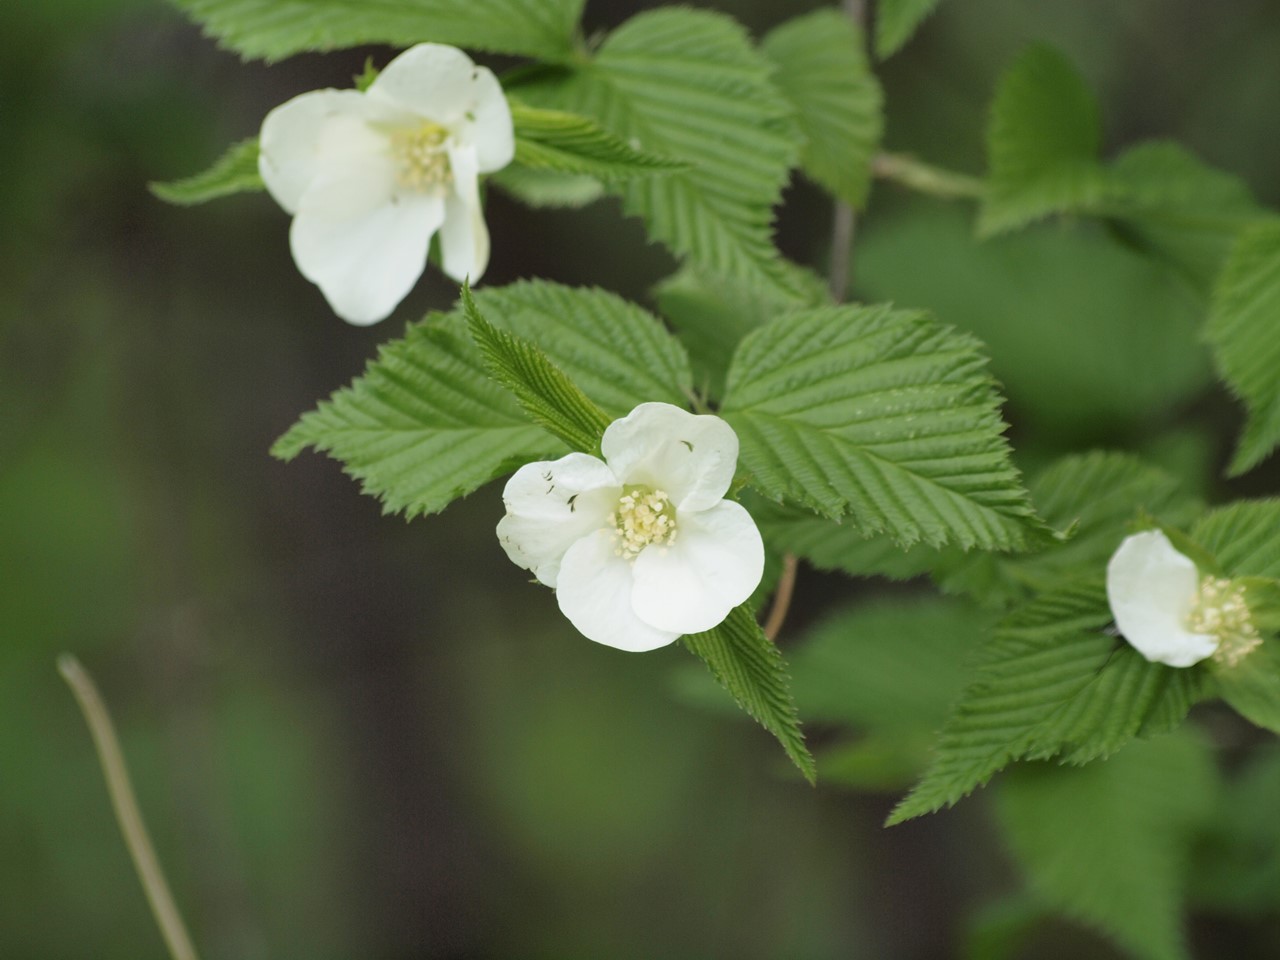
[
  {"x": 126, "y": 809},
  {"x": 838, "y": 273},
  {"x": 843, "y": 220},
  {"x": 839, "y": 270},
  {"x": 782, "y": 597},
  {"x": 925, "y": 178}
]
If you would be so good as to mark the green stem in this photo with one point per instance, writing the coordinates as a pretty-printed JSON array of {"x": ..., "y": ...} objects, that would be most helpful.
[
  {"x": 925, "y": 178},
  {"x": 126, "y": 809},
  {"x": 839, "y": 274}
]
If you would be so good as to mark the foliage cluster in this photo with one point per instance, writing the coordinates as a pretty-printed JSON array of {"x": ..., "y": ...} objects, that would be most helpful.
[{"x": 872, "y": 437}]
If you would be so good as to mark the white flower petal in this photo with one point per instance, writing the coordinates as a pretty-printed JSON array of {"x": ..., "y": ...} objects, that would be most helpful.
[
  {"x": 289, "y": 143},
  {"x": 442, "y": 84},
  {"x": 488, "y": 125},
  {"x": 365, "y": 261},
  {"x": 432, "y": 80},
  {"x": 550, "y": 506},
  {"x": 692, "y": 458},
  {"x": 352, "y": 167},
  {"x": 714, "y": 565},
  {"x": 595, "y": 594},
  {"x": 331, "y": 157},
  {"x": 464, "y": 238},
  {"x": 1151, "y": 588}
]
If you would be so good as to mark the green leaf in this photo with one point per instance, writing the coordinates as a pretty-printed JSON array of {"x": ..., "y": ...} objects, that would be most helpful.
[
  {"x": 876, "y": 762},
  {"x": 1160, "y": 198},
  {"x": 1237, "y": 865},
  {"x": 1262, "y": 594},
  {"x": 1098, "y": 494},
  {"x": 999, "y": 930},
  {"x": 363, "y": 80},
  {"x": 547, "y": 188},
  {"x": 274, "y": 29},
  {"x": 1042, "y": 144},
  {"x": 1129, "y": 697},
  {"x": 568, "y": 143},
  {"x": 834, "y": 545},
  {"x": 687, "y": 84},
  {"x": 548, "y": 396},
  {"x": 619, "y": 354},
  {"x": 1090, "y": 340},
  {"x": 1252, "y": 686},
  {"x": 1164, "y": 180},
  {"x": 823, "y": 71},
  {"x": 888, "y": 668},
  {"x": 896, "y": 21},
  {"x": 426, "y": 424},
  {"x": 1052, "y": 682},
  {"x": 749, "y": 666},
  {"x": 1164, "y": 201},
  {"x": 1095, "y": 495},
  {"x": 890, "y": 665},
  {"x": 711, "y": 314},
  {"x": 1244, "y": 332},
  {"x": 885, "y": 418},
  {"x": 1244, "y": 537},
  {"x": 236, "y": 171},
  {"x": 1106, "y": 844}
]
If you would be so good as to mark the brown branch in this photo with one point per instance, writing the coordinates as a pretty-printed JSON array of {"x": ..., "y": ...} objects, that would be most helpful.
[
  {"x": 125, "y": 804},
  {"x": 781, "y": 597}
]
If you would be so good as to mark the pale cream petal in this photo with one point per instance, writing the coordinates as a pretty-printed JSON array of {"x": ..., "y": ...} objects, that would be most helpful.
[
  {"x": 692, "y": 458},
  {"x": 714, "y": 565},
  {"x": 1152, "y": 588},
  {"x": 595, "y": 594},
  {"x": 442, "y": 84},
  {"x": 464, "y": 238},
  {"x": 550, "y": 506},
  {"x": 487, "y": 125},
  {"x": 291, "y": 139},
  {"x": 356, "y": 235}
]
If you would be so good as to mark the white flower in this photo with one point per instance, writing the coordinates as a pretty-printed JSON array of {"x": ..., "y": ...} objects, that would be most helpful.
[
  {"x": 1168, "y": 612},
  {"x": 641, "y": 547},
  {"x": 370, "y": 177}
]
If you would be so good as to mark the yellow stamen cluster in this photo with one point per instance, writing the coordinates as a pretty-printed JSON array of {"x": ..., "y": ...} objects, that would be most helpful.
[
  {"x": 422, "y": 162},
  {"x": 1221, "y": 611},
  {"x": 644, "y": 516}
]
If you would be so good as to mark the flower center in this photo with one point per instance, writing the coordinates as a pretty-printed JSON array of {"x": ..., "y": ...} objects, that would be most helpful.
[
  {"x": 422, "y": 163},
  {"x": 643, "y": 516},
  {"x": 1221, "y": 611}
]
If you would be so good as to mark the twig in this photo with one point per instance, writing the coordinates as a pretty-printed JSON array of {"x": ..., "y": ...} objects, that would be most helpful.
[
  {"x": 838, "y": 273},
  {"x": 781, "y": 597},
  {"x": 126, "y": 809},
  {"x": 843, "y": 227},
  {"x": 924, "y": 177}
]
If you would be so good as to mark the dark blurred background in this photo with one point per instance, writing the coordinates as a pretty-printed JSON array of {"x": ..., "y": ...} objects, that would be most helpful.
[{"x": 354, "y": 736}]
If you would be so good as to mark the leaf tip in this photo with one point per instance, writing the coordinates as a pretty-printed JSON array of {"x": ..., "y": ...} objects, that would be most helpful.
[
  {"x": 1247, "y": 456},
  {"x": 805, "y": 763},
  {"x": 289, "y": 445},
  {"x": 162, "y": 190},
  {"x": 901, "y": 813}
]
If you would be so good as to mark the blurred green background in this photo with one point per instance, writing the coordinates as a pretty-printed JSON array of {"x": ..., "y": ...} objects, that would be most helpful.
[{"x": 358, "y": 737}]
